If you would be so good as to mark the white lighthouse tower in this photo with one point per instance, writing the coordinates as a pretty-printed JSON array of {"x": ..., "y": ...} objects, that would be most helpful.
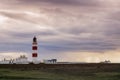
[{"x": 35, "y": 51}]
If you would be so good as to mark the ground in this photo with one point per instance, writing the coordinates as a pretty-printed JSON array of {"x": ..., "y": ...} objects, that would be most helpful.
[{"x": 60, "y": 74}]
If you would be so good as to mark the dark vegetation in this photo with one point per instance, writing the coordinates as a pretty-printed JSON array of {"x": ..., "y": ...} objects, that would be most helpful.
[{"x": 60, "y": 72}]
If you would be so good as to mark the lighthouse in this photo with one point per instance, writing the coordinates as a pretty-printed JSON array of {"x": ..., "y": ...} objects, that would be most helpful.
[{"x": 35, "y": 50}]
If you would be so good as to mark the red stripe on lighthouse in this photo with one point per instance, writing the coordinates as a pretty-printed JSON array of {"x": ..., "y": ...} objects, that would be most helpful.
[
  {"x": 34, "y": 48},
  {"x": 34, "y": 55}
]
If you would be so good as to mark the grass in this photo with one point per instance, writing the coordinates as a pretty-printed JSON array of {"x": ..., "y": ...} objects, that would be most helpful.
[{"x": 56, "y": 74}]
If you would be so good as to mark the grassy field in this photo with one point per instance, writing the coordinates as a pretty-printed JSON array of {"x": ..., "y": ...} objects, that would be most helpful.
[{"x": 59, "y": 74}]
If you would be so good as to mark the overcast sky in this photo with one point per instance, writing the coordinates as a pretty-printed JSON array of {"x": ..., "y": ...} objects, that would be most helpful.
[{"x": 69, "y": 30}]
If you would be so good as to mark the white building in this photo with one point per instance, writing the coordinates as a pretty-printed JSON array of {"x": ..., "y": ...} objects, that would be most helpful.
[
  {"x": 51, "y": 61},
  {"x": 5, "y": 61},
  {"x": 20, "y": 60},
  {"x": 106, "y": 61}
]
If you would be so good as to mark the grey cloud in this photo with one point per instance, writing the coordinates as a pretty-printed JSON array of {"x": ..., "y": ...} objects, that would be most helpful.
[
  {"x": 21, "y": 17},
  {"x": 104, "y": 34},
  {"x": 63, "y": 2},
  {"x": 31, "y": 34},
  {"x": 90, "y": 45},
  {"x": 15, "y": 47},
  {"x": 13, "y": 15},
  {"x": 38, "y": 3}
]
